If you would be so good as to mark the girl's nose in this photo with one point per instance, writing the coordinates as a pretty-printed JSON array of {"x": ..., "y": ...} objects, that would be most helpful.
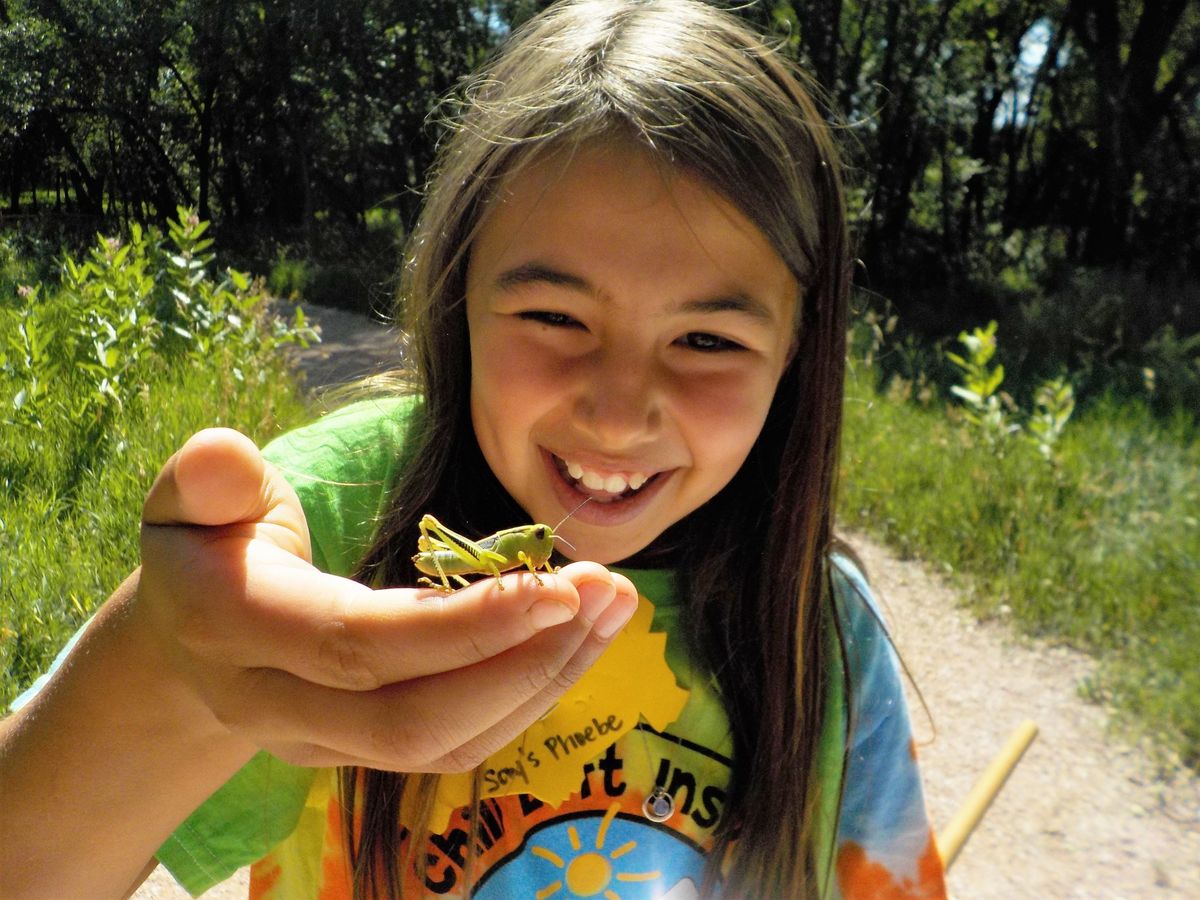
[{"x": 619, "y": 401}]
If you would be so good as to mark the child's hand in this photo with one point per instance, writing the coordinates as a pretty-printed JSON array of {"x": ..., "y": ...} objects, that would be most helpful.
[
  {"x": 323, "y": 671},
  {"x": 228, "y": 640}
]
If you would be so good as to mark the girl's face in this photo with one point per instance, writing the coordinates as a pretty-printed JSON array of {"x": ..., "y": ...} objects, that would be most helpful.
[{"x": 628, "y": 330}]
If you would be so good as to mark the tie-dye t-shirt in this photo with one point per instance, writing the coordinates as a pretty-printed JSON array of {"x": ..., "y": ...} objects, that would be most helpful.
[{"x": 287, "y": 821}]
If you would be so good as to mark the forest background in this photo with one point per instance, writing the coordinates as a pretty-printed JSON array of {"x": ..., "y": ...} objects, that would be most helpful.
[
  {"x": 1002, "y": 153},
  {"x": 1033, "y": 163}
]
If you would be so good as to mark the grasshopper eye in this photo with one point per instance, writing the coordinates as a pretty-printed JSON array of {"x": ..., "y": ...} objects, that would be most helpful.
[{"x": 539, "y": 533}]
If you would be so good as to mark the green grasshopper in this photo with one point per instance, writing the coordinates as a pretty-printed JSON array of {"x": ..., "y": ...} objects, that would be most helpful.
[{"x": 447, "y": 554}]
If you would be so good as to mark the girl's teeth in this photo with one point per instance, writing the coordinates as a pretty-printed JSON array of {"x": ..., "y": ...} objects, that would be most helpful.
[{"x": 611, "y": 484}]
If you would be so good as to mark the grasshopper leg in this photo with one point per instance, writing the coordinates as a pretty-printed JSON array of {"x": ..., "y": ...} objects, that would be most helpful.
[
  {"x": 524, "y": 558},
  {"x": 445, "y": 587},
  {"x": 495, "y": 572}
]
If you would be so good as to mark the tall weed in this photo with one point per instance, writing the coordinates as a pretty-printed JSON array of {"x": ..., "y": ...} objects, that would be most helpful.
[{"x": 102, "y": 377}]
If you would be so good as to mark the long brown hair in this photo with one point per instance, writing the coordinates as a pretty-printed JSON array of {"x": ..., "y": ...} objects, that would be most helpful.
[{"x": 699, "y": 91}]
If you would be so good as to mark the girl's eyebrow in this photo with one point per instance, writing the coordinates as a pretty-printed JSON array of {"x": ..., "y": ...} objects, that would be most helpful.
[
  {"x": 739, "y": 303},
  {"x": 530, "y": 273}
]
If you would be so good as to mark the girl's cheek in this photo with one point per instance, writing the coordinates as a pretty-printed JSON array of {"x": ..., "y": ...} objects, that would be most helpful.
[
  {"x": 725, "y": 397},
  {"x": 521, "y": 368},
  {"x": 724, "y": 416}
]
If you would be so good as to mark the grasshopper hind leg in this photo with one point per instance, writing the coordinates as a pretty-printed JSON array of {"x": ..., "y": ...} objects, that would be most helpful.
[{"x": 444, "y": 585}]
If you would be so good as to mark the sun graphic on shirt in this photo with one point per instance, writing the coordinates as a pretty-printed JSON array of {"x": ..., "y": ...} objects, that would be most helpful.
[{"x": 591, "y": 872}]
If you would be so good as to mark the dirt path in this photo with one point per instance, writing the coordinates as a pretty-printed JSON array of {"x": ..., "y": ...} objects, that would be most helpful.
[{"x": 1083, "y": 816}]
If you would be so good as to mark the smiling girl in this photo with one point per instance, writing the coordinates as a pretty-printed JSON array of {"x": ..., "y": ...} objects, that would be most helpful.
[
  {"x": 628, "y": 287},
  {"x": 627, "y": 329}
]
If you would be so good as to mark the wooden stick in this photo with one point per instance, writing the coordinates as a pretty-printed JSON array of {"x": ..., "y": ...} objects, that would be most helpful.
[{"x": 955, "y": 834}]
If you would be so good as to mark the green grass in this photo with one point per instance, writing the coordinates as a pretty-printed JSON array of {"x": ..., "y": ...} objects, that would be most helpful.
[
  {"x": 63, "y": 555},
  {"x": 1100, "y": 551},
  {"x": 79, "y": 452}
]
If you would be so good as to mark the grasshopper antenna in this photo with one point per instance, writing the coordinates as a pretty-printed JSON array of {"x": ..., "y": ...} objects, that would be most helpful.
[
  {"x": 554, "y": 531},
  {"x": 568, "y": 515}
]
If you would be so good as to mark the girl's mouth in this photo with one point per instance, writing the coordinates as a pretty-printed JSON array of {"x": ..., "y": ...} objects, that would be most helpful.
[
  {"x": 602, "y": 487},
  {"x": 619, "y": 507}
]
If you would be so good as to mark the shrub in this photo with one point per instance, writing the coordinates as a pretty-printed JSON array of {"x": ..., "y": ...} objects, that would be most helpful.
[{"x": 102, "y": 377}]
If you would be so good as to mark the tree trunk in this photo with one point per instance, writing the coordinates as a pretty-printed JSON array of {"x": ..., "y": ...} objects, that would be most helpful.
[
  {"x": 820, "y": 30},
  {"x": 1129, "y": 107}
]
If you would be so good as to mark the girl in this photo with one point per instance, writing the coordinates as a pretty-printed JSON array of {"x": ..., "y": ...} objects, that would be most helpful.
[{"x": 627, "y": 304}]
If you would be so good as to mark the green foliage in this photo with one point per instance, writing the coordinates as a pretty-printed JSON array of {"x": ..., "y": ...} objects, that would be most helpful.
[
  {"x": 1054, "y": 402},
  {"x": 981, "y": 388},
  {"x": 123, "y": 317},
  {"x": 1105, "y": 325},
  {"x": 27, "y": 257},
  {"x": 289, "y": 277},
  {"x": 102, "y": 377},
  {"x": 354, "y": 271},
  {"x": 1171, "y": 370},
  {"x": 269, "y": 112},
  {"x": 991, "y": 411},
  {"x": 1100, "y": 551}
]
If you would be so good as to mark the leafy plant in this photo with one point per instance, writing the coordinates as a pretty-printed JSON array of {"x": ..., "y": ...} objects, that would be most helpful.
[
  {"x": 993, "y": 412},
  {"x": 103, "y": 375},
  {"x": 1054, "y": 402},
  {"x": 130, "y": 307},
  {"x": 128, "y": 313},
  {"x": 980, "y": 390},
  {"x": 1101, "y": 550}
]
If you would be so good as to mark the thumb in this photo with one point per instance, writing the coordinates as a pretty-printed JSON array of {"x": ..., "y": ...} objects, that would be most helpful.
[{"x": 217, "y": 478}]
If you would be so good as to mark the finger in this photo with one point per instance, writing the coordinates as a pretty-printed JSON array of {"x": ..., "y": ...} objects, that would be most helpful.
[
  {"x": 603, "y": 633},
  {"x": 339, "y": 633},
  {"x": 219, "y": 477},
  {"x": 215, "y": 478},
  {"x": 478, "y": 748},
  {"x": 409, "y": 724}
]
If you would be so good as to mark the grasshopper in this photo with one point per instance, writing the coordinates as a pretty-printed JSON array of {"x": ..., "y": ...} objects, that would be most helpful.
[{"x": 447, "y": 554}]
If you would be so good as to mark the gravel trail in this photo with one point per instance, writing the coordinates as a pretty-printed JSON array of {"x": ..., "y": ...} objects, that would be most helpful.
[{"x": 1084, "y": 815}]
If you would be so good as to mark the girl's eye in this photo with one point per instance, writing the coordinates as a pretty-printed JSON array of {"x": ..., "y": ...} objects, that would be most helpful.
[
  {"x": 553, "y": 319},
  {"x": 708, "y": 343}
]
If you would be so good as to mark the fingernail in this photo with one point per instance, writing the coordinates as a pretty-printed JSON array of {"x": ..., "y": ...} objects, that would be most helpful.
[
  {"x": 548, "y": 613},
  {"x": 613, "y": 620},
  {"x": 594, "y": 598}
]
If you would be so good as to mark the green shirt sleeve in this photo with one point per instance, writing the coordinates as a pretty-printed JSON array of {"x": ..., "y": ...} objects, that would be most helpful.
[{"x": 342, "y": 467}]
